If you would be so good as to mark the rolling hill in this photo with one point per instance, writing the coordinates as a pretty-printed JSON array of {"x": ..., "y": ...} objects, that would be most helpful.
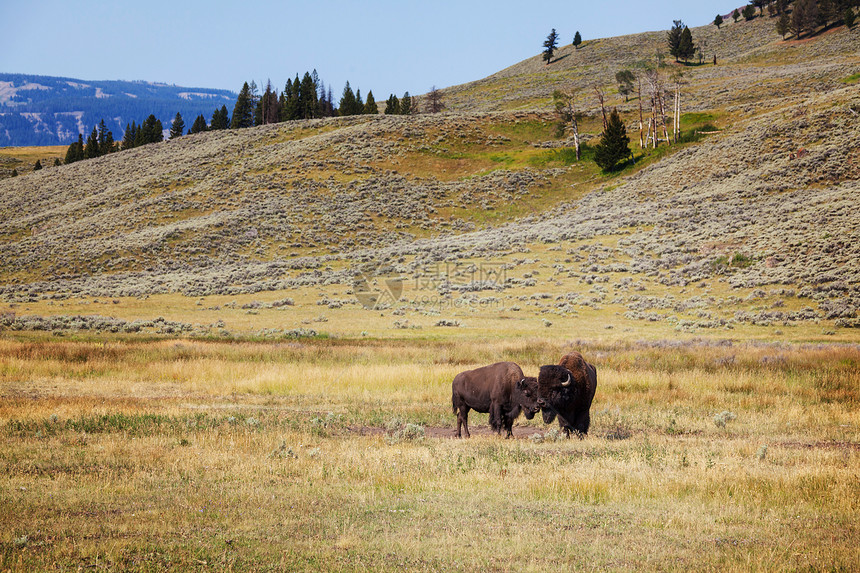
[{"x": 478, "y": 213}]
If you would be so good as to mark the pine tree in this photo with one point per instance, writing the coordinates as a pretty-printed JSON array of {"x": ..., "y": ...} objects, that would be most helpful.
[
  {"x": 255, "y": 104},
  {"x": 577, "y": 40},
  {"x": 550, "y": 45},
  {"x": 783, "y": 24},
  {"x": 673, "y": 38},
  {"x": 614, "y": 145},
  {"x": 177, "y": 128},
  {"x": 348, "y": 102},
  {"x": 748, "y": 12},
  {"x": 150, "y": 131},
  {"x": 392, "y": 106},
  {"x": 199, "y": 125},
  {"x": 736, "y": 15},
  {"x": 270, "y": 105},
  {"x": 75, "y": 152},
  {"x": 718, "y": 21},
  {"x": 57, "y": 162},
  {"x": 323, "y": 104},
  {"x": 106, "y": 142},
  {"x": 828, "y": 11},
  {"x": 686, "y": 49},
  {"x": 220, "y": 119},
  {"x": 625, "y": 83},
  {"x": 288, "y": 103},
  {"x": 370, "y": 106},
  {"x": 308, "y": 98},
  {"x": 811, "y": 16},
  {"x": 91, "y": 149},
  {"x": 128, "y": 136},
  {"x": 243, "y": 111},
  {"x": 38, "y": 165},
  {"x": 406, "y": 104}
]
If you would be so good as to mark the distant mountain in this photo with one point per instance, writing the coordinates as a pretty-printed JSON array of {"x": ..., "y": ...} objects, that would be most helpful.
[{"x": 44, "y": 110}]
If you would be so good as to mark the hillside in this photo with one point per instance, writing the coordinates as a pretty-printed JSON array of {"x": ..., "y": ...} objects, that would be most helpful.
[
  {"x": 475, "y": 214},
  {"x": 755, "y": 67},
  {"x": 44, "y": 110}
]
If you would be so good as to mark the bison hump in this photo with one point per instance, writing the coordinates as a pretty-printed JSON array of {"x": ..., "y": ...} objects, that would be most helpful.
[
  {"x": 578, "y": 367},
  {"x": 576, "y": 364}
]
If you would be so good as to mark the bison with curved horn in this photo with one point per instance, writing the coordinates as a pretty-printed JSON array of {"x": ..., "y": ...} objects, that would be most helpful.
[
  {"x": 499, "y": 389},
  {"x": 567, "y": 390}
]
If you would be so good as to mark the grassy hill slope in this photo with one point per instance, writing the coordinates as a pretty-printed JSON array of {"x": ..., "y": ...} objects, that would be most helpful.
[{"x": 479, "y": 215}]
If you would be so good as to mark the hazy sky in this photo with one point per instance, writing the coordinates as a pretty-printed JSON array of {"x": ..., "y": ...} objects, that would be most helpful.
[{"x": 384, "y": 46}]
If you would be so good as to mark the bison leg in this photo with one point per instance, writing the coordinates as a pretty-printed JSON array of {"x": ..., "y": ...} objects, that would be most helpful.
[
  {"x": 509, "y": 426},
  {"x": 496, "y": 419},
  {"x": 583, "y": 421},
  {"x": 463, "y": 420},
  {"x": 564, "y": 426}
]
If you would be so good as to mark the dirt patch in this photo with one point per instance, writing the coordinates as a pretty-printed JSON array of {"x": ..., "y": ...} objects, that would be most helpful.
[
  {"x": 520, "y": 432},
  {"x": 821, "y": 445}
]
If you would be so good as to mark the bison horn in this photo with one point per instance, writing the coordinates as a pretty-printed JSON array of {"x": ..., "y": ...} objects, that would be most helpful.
[{"x": 566, "y": 382}]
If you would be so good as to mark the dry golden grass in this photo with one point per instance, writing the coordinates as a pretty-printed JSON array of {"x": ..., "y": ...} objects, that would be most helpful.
[
  {"x": 23, "y": 159},
  {"x": 176, "y": 455}
]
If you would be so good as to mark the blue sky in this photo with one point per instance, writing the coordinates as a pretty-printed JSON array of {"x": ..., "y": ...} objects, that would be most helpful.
[{"x": 384, "y": 46}]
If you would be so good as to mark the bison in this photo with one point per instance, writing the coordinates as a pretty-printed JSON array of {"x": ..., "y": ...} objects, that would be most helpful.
[
  {"x": 566, "y": 391},
  {"x": 500, "y": 389}
]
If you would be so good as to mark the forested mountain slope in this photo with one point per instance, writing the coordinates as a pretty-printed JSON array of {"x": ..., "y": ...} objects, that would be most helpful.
[{"x": 44, "y": 110}]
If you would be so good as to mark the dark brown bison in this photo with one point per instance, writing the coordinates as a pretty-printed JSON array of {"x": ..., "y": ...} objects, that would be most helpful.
[
  {"x": 498, "y": 389},
  {"x": 567, "y": 390}
]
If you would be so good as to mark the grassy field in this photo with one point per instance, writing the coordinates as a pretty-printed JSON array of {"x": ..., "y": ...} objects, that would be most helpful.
[
  {"x": 338, "y": 455},
  {"x": 23, "y": 159}
]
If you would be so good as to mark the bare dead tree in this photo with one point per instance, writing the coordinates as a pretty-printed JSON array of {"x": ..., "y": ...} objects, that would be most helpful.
[
  {"x": 678, "y": 82},
  {"x": 601, "y": 97},
  {"x": 565, "y": 104},
  {"x": 658, "y": 106},
  {"x": 652, "y": 77},
  {"x": 434, "y": 101},
  {"x": 662, "y": 98},
  {"x": 639, "y": 89}
]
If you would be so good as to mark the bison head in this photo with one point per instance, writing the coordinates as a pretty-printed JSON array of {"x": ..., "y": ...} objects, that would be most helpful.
[
  {"x": 527, "y": 396},
  {"x": 557, "y": 388}
]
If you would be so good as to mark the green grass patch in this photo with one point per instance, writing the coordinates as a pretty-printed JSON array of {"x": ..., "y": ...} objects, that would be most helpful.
[
  {"x": 562, "y": 156},
  {"x": 695, "y": 118},
  {"x": 529, "y": 130},
  {"x": 738, "y": 260},
  {"x": 851, "y": 79}
]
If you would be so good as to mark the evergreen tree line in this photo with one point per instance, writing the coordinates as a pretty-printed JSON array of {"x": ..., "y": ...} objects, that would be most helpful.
[
  {"x": 799, "y": 17},
  {"x": 307, "y": 98},
  {"x": 100, "y": 142},
  {"x": 304, "y": 98}
]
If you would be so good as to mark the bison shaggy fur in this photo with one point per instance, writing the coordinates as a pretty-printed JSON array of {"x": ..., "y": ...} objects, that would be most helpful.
[
  {"x": 499, "y": 389},
  {"x": 567, "y": 390}
]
